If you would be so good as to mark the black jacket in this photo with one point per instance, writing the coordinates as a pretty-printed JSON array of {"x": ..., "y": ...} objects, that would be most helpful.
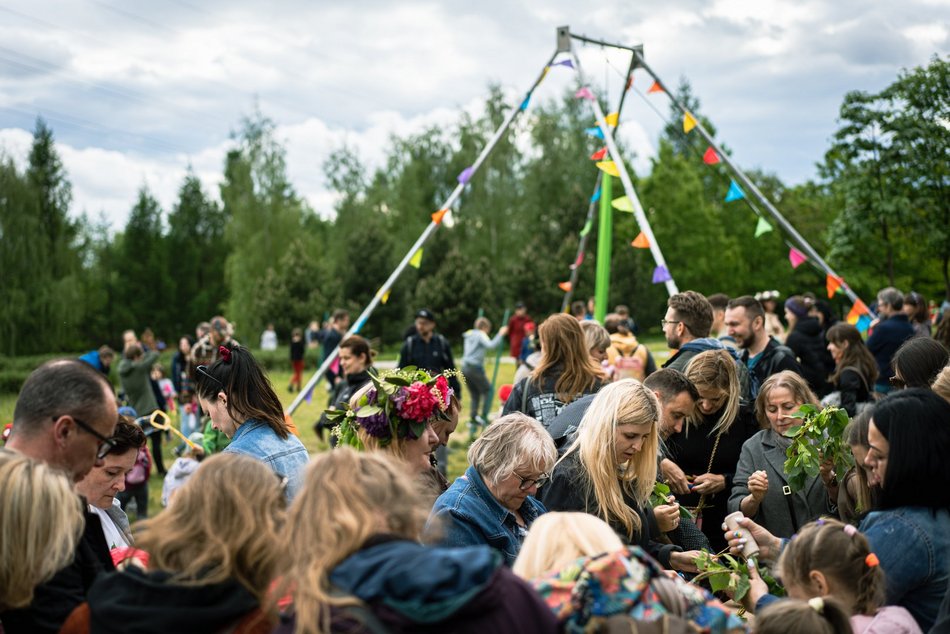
[
  {"x": 854, "y": 388},
  {"x": 434, "y": 356},
  {"x": 808, "y": 343},
  {"x": 884, "y": 342},
  {"x": 772, "y": 360}
]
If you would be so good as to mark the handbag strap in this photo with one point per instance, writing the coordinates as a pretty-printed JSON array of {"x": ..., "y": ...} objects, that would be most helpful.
[
  {"x": 787, "y": 492},
  {"x": 712, "y": 456}
]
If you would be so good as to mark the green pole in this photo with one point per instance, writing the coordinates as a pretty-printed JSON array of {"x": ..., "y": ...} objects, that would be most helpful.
[
  {"x": 494, "y": 377},
  {"x": 604, "y": 242}
]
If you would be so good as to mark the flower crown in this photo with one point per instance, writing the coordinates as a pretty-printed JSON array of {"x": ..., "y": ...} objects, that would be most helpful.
[{"x": 399, "y": 405}]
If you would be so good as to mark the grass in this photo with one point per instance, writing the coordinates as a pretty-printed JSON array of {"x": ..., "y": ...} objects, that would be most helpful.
[{"x": 308, "y": 413}]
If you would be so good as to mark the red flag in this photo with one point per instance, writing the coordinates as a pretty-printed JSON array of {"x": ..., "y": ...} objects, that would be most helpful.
[
  {"x": 599, "y": 154},
  {"x": 655, "y": 87},
  {"x": 578, "y": 261},
  {"x": 710, "y": 157},
  {"x": 629, "y": 82}
]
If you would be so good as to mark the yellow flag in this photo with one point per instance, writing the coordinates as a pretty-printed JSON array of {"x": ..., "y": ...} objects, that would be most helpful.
[
  {"x": 612, "y": 119},
  {"x": 385, "y": 297},
  {"x": 609, "y": 167},
  {"x": 622, "y": 204},
  {"x": 416, "y": 260},
  {"x": 689, "y": 122}
]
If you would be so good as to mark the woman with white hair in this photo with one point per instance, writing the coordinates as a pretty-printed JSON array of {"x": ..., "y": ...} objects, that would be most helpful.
[
  {"x": 610, "y": 469},
  {"x": 493, "y": 503}
]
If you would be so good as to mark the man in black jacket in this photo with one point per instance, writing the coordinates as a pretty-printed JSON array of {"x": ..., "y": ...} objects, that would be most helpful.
[
  {"x": 65, "y": 415},
  {"x": 428, "y": 350},
  {"x": 762, "y": 354},
  {"x": 893, "y": 330}
]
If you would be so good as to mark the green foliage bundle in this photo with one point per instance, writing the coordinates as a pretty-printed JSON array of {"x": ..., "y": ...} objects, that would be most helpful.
[
  {"x": 817, "y": 439},
  {"x": 729, "y": 574}
]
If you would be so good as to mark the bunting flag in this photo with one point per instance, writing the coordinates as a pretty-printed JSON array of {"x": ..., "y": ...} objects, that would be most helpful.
[
  {"x": 655, "y": 87},
  {"x": 596, "y": 195},
  {"x": 578, "y": 261},
  {"x": 309, "y": 396},
  {"x": 568, "y": 63},
  {"x": 565, "y": 286},
  {"x": 735, "y": 192},
  {"x": 796, "y": 257},
  {"x": 710, "y": 157},
  {"x": 864, "y": 323},
  {"x": 858, "y": 309},
  {"x": 660, "y": 275},
  {"x": 612, "y": 119},
  {"x": 416, "y": 260},
  {"x": 762, "y": 226},
  {"x": 609, "y": 167},
  {"x": 544, "y": 73},
  {"x": 689, "y": 122},
  {"x": 524, "y": 104},
  {"x": 599, "y": 154},
  {"x": 641, "y": 241},
  {"x": 622, "y": 204},
  {"x": 439, "y": 215},
  {"x": 385, "y": 297},
  {"x": 466, "y": 175},
  {"x": 832, "y": 284},
  {"x": 588, "y": 225},
  {"x": 629, "y": 82},
  {"x": 584, "y": 93},
  {"x": 596, "y": 132}
]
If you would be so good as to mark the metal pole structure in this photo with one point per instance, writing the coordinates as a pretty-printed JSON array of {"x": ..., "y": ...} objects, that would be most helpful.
[
  {"x": 494, "y": 377},
  {"x": 751, "y": 187},
  {"x": 605, "y": 239},
  {"x": 429, "y": 230},
  {"x": 638, "y": 211}
]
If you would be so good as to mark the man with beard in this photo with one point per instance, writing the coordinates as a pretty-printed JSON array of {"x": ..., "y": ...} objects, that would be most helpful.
[{"x": 761, "y": 354}]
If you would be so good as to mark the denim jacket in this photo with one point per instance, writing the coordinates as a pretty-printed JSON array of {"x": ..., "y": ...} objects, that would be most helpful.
[
  {"x": 287, "y": 457},
  {"x": 913, "y": 546},
  {"x": 468, "y": 515}
]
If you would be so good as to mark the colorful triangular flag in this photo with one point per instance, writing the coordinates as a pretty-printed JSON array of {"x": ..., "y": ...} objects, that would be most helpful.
[
  {"x": 832, "y": 284},
  {"x": 622, "y": 204},
  {"x": 689, "y": 122},
  {"x": 735, "y": 192},
  {"x": 596, "y": 195},
  {"x": 864, "y": 322},
  {"x": 609, "y": 167},
  {"x": 710, "y": 157},
  {"x": 655, "y": 87},
  {"x": 416, "y": 260},
  {"x": 385, "y": 297},
  {"x": 578, "y": 261},
  {"x": 595, "y": 131},
  {"x": 584, "y": 93},
  {"x": 629, "y": 82},
  {"x": 524, "y": 104},
  {"x": 612, "y": 119},
  {"x": 859, "y": 308},
  {"x": 309, "y": 396},
  {"x": 762, "y": 226},
  {"x": 796, "y": 257},
  {"x": 564, "y": 286},
  {"x": 587, "y": 226},
  {"x": 660, "y": 275},
  {"x": 439, "y": 215},
  {"x": 466, "y": 175},
  {"x": 566, "y": 62},
  {"x": 641, "y": 241},
  {"x": 544, "y": 73},
  {"x": 599, "y": 154}
]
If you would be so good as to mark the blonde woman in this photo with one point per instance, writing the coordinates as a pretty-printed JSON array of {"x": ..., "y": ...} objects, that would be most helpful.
[
  {"x": 701, "y": 459},
  {"x": 358, "y": 565},
  {"x": 556, "y": 540},
  {"x": 213, "y": 554},
  {"x": 610, "y": 469},
  {"x": 41, "y": 520},
  {"x": 566, "y": 372},
  {"x": 493, "y": 503}
]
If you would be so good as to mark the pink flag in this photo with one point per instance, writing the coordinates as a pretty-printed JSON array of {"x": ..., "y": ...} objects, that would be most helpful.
[
  {"x": 796, "y": 257},
  {"x": 584, "y": 93}
]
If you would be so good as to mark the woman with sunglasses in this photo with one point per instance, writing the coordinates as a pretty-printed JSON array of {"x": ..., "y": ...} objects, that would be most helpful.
[
  {"x": 610, "y": 469},
  {"x": 493, "y": 503},
  {"x": 242, "y": 404}
]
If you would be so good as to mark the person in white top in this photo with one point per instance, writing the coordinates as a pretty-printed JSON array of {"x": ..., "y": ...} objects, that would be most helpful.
[
  {"x": 100, "y": 486},
  {"x": 269, "y": 338}
]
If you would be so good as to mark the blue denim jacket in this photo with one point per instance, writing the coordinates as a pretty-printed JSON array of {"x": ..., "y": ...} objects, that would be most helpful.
[
  {"x": 468, "y": 515},
  {"x": 287, "y": 457},
  {"x": 913, "y": 546}
]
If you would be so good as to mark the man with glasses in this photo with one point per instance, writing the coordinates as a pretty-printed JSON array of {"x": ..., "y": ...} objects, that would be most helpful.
[{"x": 65, "y": 416}]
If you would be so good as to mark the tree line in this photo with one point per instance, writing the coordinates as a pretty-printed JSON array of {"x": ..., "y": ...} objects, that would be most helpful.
[{"x": 879, "y": 210}]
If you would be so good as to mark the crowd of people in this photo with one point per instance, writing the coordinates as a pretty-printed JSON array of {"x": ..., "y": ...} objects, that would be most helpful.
[{"x": 586, "y": 506}]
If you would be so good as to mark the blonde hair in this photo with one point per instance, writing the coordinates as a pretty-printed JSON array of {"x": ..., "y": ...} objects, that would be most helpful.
[
  {"x": 791, "y": 381},
  {"x": 510, "y": 442},
  {"x": 563, "y": 346},
  {"x": 941, "y": 384},
  {"x": 347, "y": 497},
  {"x": 716, "y": 369},
  {"x": 625, "y": 402},
  {"x": 224, "y": 523},
  {"x": 596, "y": 336},
  {"x": 41, "y": 519},
  {"x": 557, "y": 539}
]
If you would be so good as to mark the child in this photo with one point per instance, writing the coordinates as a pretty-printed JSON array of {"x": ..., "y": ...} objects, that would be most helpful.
[
  {"x": 183, "y": 468},
  {"x": 828, "y": 558},
  {"x": 136, "y": 480},
  {"x": 815, "y": 616},
  {"x": 297, "y": 349},
  {"x": 165, "y": 386}
]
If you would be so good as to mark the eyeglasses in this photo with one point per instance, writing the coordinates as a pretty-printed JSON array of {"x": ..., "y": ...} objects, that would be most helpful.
[
  {"x": 664, "y": 322},
  {"x": 105, "y": 444},
  {"x": 527, "y": 483},
  {"x": 203, "y": 371}
]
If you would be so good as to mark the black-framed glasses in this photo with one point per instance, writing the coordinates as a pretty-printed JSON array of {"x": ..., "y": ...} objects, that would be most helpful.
[
  {"x": 203, "y": 371},
  {"x": 527, "y": 483},
  {"x": 105, "y": 444},
  {"x": 664, "y": 322}
]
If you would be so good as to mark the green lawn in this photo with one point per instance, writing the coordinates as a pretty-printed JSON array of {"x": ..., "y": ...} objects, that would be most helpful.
[{"x": 308, "y": 413}]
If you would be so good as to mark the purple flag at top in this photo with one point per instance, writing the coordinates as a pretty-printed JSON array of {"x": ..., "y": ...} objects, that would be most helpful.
[
  {"x": 465, "y": 175},
  {"x": 565, "y": 62},
  {"x": 660, "y": 275}
]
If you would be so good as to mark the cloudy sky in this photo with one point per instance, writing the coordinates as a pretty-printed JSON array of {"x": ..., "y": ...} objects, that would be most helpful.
[{"x": 137, "y": 91}]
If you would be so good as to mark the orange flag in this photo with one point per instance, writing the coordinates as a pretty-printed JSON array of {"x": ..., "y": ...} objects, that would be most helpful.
[
  {"x": 832, "y": 284},
  {"x": 859, "y": 308},
  {"x": 439, "y": 215},
  {"x": 564, "y": 286},
  {"x": 641, "y": 242},
  {"x": 655, "y": 87}
]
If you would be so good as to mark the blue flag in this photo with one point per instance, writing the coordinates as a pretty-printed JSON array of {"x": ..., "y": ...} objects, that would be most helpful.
[{"x": 735, "y": 192}]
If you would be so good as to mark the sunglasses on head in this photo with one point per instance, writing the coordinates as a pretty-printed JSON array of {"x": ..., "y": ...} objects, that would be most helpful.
[{"x": 203, "y": 371}]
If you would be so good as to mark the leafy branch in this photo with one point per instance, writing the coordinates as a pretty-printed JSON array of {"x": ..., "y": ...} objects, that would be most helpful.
[
  {"x": 731, "y": 574},
  {"x": 817, "y": 439},
  {"x": 660, "y": 496}
]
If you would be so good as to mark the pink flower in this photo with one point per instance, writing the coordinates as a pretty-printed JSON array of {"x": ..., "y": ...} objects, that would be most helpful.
[
  {"x": 442, "y": 385},
  {"x": 419, "y": 403}
]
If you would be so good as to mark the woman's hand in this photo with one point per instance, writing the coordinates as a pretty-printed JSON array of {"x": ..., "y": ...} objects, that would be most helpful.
[
  {"x": 667, "y": 515},
  {"x": 769, "y": 544},
  {"x": 674, "y": 477},
  {"x": 827, "y": 472},
  {"x": 757, "y": 589},
  {"x": 758, "y": 485},
  {"x": 685, "y": 561},
  {"x": 709, "y": 483}
]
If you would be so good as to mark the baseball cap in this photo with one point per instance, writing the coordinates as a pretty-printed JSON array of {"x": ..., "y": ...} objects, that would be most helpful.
[{"x": 425, "y": 313}]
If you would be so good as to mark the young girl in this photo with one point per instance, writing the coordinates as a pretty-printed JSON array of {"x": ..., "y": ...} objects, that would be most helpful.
[{"x": 815, "y": 616}]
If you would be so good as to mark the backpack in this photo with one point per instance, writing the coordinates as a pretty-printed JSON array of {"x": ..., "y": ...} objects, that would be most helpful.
[{"x": 141, "y": 470}]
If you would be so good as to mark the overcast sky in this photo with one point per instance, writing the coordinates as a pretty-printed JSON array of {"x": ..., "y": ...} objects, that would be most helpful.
[{"x": 137, "y": 91}]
